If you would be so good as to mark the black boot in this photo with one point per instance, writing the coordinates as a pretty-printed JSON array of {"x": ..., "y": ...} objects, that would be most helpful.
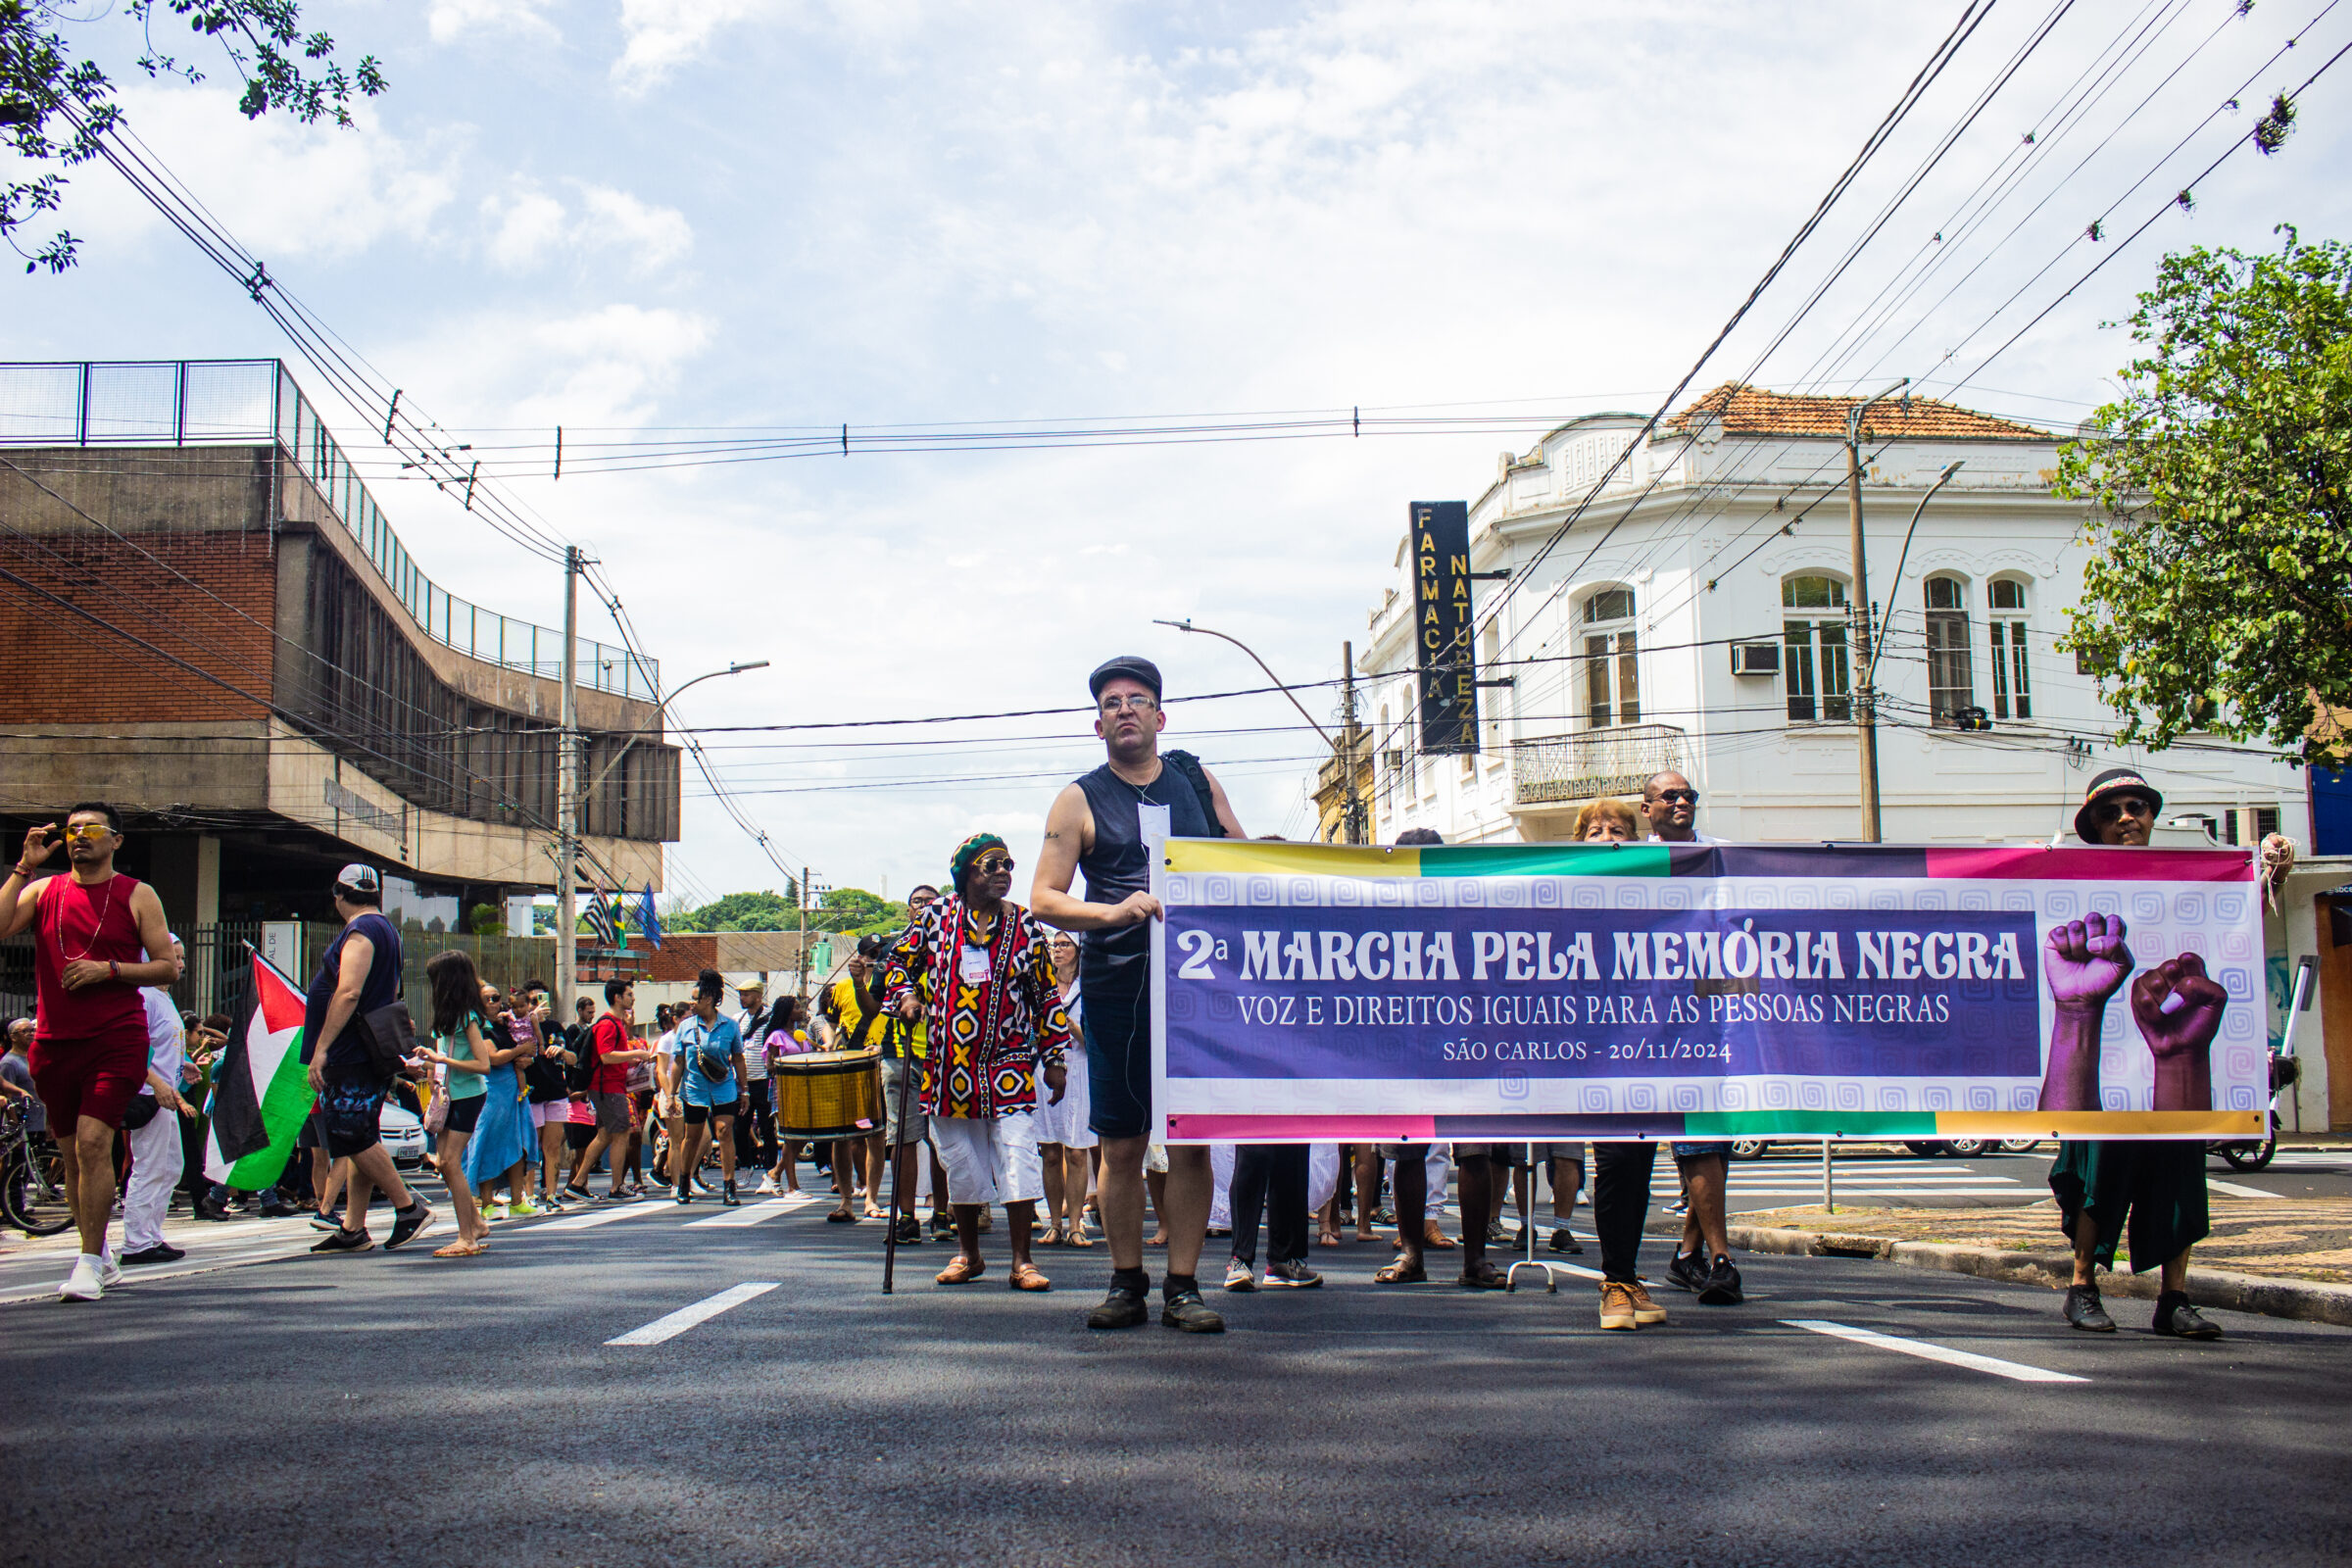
[
  {"x": 2179, "y": 1320},
  {"x": 2083, "y": 1311}
]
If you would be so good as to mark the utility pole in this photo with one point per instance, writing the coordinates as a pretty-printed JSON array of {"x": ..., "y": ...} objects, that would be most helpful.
[
  {"x": 568, "y": 796},
  {"x": 1857, "y": 612},
  {"x": 802, "y": 901},
  {"x": 1353, "y": 808}
]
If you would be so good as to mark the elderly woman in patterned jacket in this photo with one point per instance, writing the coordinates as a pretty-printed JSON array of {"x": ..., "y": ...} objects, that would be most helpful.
[{"x": 995, "y": 1018}]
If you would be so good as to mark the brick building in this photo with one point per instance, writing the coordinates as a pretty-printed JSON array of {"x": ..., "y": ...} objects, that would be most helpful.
[{"x": 206, "y": 619}]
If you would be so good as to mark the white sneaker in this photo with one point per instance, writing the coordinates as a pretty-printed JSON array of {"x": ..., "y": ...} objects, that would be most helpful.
[
  {"x": 109, "y": 1274},
  {"x": 83, "y": 1284},
  {"x": 769, "y": 1186}
]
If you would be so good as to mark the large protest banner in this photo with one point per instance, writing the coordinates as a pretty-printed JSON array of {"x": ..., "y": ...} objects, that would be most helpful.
[{"x": 1648, "y": 991}]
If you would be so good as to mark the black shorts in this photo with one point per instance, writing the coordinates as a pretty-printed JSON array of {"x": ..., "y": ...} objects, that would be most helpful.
[
  {"x": 465, "y": 1113},
  {"x": 353, "y": 1100},
  {"x": 578, "y": 1135},
  {"x": 312, "y": 1137},
  {"x": 1118, "y": 1045},
  {"x": 696, "y": 1114}
]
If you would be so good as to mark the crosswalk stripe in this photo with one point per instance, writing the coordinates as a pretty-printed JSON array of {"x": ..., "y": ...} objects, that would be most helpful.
[
  {"x": 1847, "y": 1190},
  {"x": 2017, "y": 1371},
  {"x": 730, "y": 1218},
  {"x": 601, "y": 1217},
  {"x": 670, "y": 1325},
  {"x": 2236, "y": 1189}
]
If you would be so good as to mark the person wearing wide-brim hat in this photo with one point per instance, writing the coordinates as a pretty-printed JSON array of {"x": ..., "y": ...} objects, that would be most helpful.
[
  {"x": 2108, "y": 1191},
  {"x": 2119, "y": 807}
]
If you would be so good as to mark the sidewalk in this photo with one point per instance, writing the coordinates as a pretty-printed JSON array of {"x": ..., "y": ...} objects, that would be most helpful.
[{"x": 2284, "y": 1257}]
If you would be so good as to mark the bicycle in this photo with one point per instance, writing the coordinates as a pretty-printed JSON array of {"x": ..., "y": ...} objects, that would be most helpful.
[{"x": 32, "y": 1179}]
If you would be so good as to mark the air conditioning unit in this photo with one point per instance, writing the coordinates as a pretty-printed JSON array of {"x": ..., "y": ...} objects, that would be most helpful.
[
  {"x": 1755, "y": 658},
  {"x": 1394, "y": 759}
]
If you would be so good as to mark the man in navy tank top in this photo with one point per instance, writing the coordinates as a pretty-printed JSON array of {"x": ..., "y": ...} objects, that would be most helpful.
[{"x": 1093, "y": 827}]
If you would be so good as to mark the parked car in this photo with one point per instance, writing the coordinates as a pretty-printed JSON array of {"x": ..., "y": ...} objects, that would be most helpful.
[
  {"x": 402, "y": 1134},
  {"x": 1969, "y": 1148}
]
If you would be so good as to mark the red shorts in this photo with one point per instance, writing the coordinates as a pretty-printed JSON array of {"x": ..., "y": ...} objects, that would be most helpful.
[{"x": 95, "y": 1077}]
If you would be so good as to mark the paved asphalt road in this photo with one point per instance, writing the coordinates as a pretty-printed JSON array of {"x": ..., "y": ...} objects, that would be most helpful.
[{"x": 398, "y": 1410}]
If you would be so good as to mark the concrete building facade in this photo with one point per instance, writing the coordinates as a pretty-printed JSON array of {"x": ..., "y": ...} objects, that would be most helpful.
[{"x": 206, "y": 620}]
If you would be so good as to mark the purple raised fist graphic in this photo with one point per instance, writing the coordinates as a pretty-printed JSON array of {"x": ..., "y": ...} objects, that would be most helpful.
[
  {"x": 2086, "y": 962},
  {"x": 2178, "y": 1010}
]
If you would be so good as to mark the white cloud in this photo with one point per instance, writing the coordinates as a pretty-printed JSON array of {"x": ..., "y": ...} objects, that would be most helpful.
[
  {"x": 655, "y": 236},
  {"x": 284, "y": 188},
  {"x": 663, "y": 34},
  {"x": 448, "y": 20},
  {"x": 529, "y": 226}
]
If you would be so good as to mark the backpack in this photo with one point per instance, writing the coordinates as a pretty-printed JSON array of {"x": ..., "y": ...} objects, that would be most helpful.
[{"x": 1189, "y": 765}]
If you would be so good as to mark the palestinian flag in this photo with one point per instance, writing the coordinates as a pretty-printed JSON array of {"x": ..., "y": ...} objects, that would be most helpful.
[{"x": 263, "y": 1092}]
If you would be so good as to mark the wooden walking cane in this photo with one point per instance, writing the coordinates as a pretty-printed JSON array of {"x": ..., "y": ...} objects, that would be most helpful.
[{"x": 898, "y": 1192}]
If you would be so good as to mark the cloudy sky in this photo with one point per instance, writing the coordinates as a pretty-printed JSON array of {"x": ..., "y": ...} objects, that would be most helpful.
[{"x": 720, "y": 217}]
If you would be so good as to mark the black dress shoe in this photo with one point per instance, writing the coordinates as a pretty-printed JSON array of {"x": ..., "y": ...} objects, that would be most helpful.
[
  {"x": 2084, "y": 1311},
  {"x": 1122, "y": 1308},
  {"x": 160, "y": 1252},
  {"x": 1186, "y": 1311},
  {"x": 2174, "y": 1317}
]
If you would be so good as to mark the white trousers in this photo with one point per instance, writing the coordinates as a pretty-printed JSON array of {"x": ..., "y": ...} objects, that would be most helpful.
[
  {"x": 990, "y": 1159},
  {"x": 1220, "y": 1171},
  {"x": 154, "y": 1166},
  {"x": 1322, "y": 1175}
]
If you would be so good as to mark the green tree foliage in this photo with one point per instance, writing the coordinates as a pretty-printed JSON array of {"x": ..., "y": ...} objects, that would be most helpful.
[
  {"x": 851, "y": 910},
  {"x": 56, "y": 108},
  {"x": 2219, "y": 597}
]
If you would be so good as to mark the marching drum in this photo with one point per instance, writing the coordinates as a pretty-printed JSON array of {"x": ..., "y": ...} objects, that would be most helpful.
[{"x": 828, "y": 1093}]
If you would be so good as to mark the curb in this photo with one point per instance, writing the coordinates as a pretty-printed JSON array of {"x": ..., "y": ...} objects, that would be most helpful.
[{"x": 2303, "y": 1300}]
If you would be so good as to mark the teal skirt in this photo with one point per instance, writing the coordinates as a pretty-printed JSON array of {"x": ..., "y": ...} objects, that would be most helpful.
[{"x": 2150, "y": 1195}]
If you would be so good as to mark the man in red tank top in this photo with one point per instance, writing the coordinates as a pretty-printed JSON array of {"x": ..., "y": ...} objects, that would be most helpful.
[{"x": 96, "y": 939}]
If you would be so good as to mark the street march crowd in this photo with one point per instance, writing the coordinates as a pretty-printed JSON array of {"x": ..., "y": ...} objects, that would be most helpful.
[{"x": 1016, "y": 1065}]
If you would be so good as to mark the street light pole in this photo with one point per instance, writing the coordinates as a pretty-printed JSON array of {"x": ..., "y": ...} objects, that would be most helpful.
[
  {"x": 1869, "y": 672},
  {"x": 1346, "y": 753},
  {"x": 1858, "y": 611},
  {"x": 567, "y": 794}
]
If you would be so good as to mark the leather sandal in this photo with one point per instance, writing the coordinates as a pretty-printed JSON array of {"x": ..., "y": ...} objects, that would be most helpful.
[
  {"x": 961, "y": 1270},
  {"x": 1025, "y": 1277},
  {"x": 1400, "y": 1272}
]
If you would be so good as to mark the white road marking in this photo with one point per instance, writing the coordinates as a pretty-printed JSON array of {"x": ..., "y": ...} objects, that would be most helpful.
[
  {"x": 1845, "y": 1190},
  {"x": 728, "y": 1218},
  {"x": 601, "y": 1217},
  {"x": 673, "y": 1324},
  {"x": 2234, "y": 1190},
  {"x": 2014, "y": 1370}
]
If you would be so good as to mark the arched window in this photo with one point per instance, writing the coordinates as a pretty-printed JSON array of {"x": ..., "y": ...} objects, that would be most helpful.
[
  {"x": 1612, "y": 668},
  {"x": 2005, "y": 614},
  {"x": 1815, "y": 677},
  {"x": 1951, "y": 682}
]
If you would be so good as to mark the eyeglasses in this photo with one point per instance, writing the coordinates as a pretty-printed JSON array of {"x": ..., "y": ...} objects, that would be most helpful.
[
  {"x": 994, "y": 863},
  {"x": 89, "y": 832},
  {"x": 2114, "y": 810},
  {"x": 1670, "y": 795},
  {"x": 1132, "y": 704}
]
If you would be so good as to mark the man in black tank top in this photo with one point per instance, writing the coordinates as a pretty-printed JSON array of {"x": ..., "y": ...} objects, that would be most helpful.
[{"x": 1093, "y": 827}]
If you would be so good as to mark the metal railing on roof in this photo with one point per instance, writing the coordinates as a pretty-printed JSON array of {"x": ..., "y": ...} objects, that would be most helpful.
[{"x": 243, "y": 402}]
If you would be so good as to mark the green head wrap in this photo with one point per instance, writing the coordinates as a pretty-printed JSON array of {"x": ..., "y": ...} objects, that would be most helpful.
[{"x": 967, "y": 853}]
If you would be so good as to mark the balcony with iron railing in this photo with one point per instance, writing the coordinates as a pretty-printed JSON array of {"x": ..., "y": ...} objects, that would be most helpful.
[
  {"x": 185, "y": 403},
  {"x": 1555, "y": 772}
]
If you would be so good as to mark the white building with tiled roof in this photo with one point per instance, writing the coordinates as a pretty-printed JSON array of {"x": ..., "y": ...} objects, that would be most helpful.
[{"x": 1694, "y": 617}]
